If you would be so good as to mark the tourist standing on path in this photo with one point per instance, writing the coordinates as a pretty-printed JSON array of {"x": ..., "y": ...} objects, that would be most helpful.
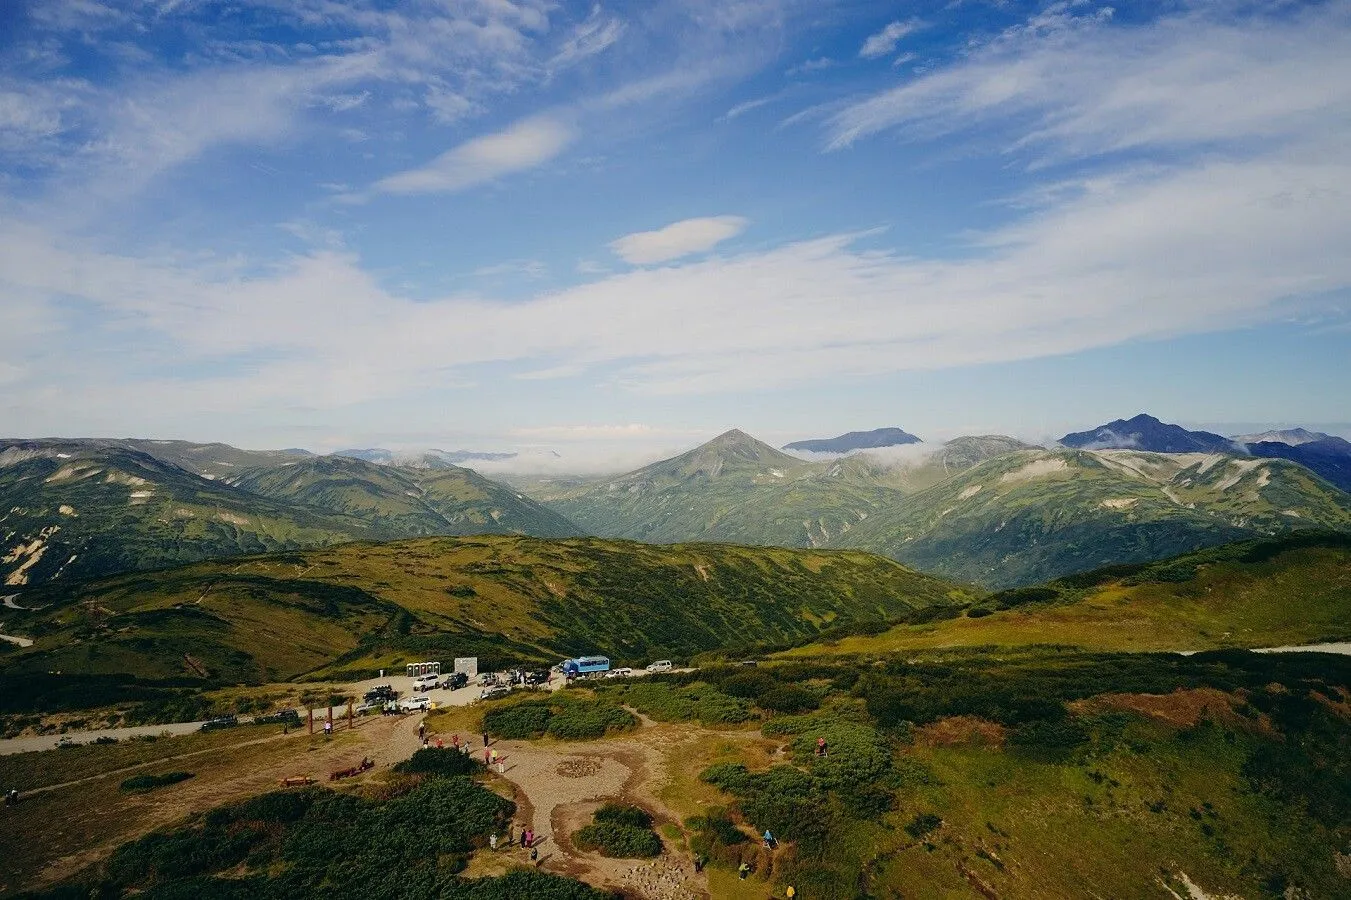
[
  {"x": 421, "y": 730},
  {"x": 769, "y": 840},
  {"x": 485, "y": 739},
  {"x": 492, "y": 841}
]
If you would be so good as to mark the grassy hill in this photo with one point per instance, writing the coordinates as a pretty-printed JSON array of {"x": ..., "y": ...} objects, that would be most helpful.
[
  {"x": 988, "y": 510},
  {"x": 81, "y": 508},
  {"x": 511, "y": 599},
  {"x": 72, "y": 510},
  {"x": 405, "y": 502},
  {"x": 1032, "y": 515},
  {"x": 733, "y": 488},
  {"x": 1291, "y": 590}
]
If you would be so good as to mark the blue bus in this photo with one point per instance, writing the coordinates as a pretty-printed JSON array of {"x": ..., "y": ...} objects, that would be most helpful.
[{"x": 585, "y": 665}]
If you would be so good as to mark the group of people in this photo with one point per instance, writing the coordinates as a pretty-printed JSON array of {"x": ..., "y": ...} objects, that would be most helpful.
[{"x": 527, "y": 841}]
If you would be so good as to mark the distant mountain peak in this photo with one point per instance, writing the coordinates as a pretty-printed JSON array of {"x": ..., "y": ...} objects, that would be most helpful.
[
  {"x": 1144, "y": 432},
  {"x": 856, "y": 440},
  {"x": 1292, "y": 436}
]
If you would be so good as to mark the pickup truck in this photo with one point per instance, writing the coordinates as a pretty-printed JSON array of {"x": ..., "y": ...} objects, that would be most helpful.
[{"x": 416, "y": 704}]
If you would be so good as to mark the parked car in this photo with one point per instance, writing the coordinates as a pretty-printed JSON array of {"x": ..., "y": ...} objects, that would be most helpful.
[
  {"x": 621, "y": 672},
  {"x": 416, "y": 704},
  {"x": 487, "y": 678},
  {"x": 220, "y": 722},
  {"x": 496, "y": 692},
  {"x": 661, "y": 665},
  {"x": 456, "y": 681},
  {"x": 379, "y": 693},
  {"x": 287, "y": 716},
  {"x": 536, "y": 677},
  {"x": 369, "y": 707},
  {"x": 426, "y": 683},
  {"x": 748, "y": 662}
]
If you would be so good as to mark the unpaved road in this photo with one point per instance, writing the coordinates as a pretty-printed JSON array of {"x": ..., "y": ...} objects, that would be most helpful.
[{"x": 402, "y": 684}]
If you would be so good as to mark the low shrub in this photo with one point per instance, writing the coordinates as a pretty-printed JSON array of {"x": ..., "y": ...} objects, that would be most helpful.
[
  {"x": 624, "y": 814},
  {"x": 923, "y": 824},
  {"x": 621, "y": 831},
  {"x": 668, "y": 702},
  {"x": 438, "y": 762},
  {"x": 150, "y": 782},
  {"x": 560, "y": 716}
]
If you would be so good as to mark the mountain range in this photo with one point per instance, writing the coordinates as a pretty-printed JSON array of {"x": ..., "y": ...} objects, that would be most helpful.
[
  {"x": 987, "y": 510},
  {"x": 856, "y": 440},
  {"x": 82, "y": 508},
  {"x": 1144, "y": 432}
]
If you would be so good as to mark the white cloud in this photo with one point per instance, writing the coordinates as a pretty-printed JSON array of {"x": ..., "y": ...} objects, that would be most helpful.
[
  {"x": 588, "y": 39},
  {"x": 677, "y": 239},
  {"x": 1082, "y": 85},
  {"x": 525, "y": 145},
  {"x": 885, "y": 41}
]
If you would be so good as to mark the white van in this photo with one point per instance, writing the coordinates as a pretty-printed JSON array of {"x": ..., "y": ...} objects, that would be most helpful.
[
  {"x": 661, "y": 665},
  {"x": 425, "y": 683}
]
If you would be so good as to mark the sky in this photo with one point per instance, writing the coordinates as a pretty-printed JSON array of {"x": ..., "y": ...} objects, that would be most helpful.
[{"x": 609, "y": 231}]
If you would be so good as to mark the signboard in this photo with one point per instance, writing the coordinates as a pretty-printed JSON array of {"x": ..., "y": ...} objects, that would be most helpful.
[{"x": 468, "y": 665}]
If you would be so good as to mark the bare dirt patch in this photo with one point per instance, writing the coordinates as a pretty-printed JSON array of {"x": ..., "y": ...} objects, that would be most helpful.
[
  {"x": 1182, "y": 709},
  {"x": 962, "y": 731}
]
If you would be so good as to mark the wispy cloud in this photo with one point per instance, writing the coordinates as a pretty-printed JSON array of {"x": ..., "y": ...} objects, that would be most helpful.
[
  {"x": 885, "y": 41},
  {"x": 590, "y": 38},
  {"x": 677, "y": 239},
  {"x": 523, "y": 146},
  {"x": 1078, "y": 85}
]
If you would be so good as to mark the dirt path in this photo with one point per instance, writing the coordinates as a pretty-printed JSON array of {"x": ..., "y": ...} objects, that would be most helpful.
[{"x": 558, "y": 786}]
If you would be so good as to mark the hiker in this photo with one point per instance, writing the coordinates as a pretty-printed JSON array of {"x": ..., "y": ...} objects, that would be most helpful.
[
  {"x": 493, "y": 755},
  {"x": 528, "y": 839},
  {"x": 439, "y": 745},
  {"x": 328, "y": 728},
  {"x": 698, "y": 863},
  {"x": 511, "y": 834},
  {"x": 426, "y": 743},
  {"x": 455, "y": 741},
  {"x": 501, "y": 767},
  {"x": 820, "y": 746},
  {"x": 534, "y": 855},
  {"x": 12, "y": 797},
  {"x": 769, "y": 840},
  {"x": 492, "y": 841},
  {"x": 487, "y": 756},
  {"x": 791, "y": 892},
  {"x": 422, "y": 730},
  {"x": 742, "y": 871},
  {"x": 485, "y": 738}
]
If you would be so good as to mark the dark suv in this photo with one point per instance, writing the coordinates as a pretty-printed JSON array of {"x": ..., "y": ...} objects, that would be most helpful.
[
  {"x": 381, "y": 694},
  {"x": 220, "y": 722}
]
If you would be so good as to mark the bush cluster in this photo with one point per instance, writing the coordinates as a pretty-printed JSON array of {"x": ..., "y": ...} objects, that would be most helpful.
[
  {"x": 559, "y": 715},
  {"x": 443, "y": 762},
  {"x": 318, "y": 842},
  {"x": 620, "y": 831},
  {"x": 150, "y": 782},
  {"x": 667, "y": 702}
]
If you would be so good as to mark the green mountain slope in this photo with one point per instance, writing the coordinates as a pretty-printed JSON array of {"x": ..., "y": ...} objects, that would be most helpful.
[
  {"x": 513, "y": 599},
  {"x": 733, "y": 488},
  {"x": 83, "y": 508},
  {"x": 76, "y": 509},
  {"x": 1033, "y": 515},
  {"x": 1290, "y": 590},
  {"x": 405, "y": 502}
]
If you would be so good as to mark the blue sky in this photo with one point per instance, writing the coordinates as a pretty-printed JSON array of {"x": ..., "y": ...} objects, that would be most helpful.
[{"x": 617, "y": 229}]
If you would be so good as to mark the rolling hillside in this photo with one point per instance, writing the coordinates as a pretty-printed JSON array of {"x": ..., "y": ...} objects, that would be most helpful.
[
  {"x": 77, "y": 509},
  {"x": 511, "y": 599},
  {"x": 1034, "y": 515},
  {"x": 84, "y": 508},
  {"x": 733, "y": 488},
  {"x": 405, "y": 502},
  {"x": 1291, "y": 590}
]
